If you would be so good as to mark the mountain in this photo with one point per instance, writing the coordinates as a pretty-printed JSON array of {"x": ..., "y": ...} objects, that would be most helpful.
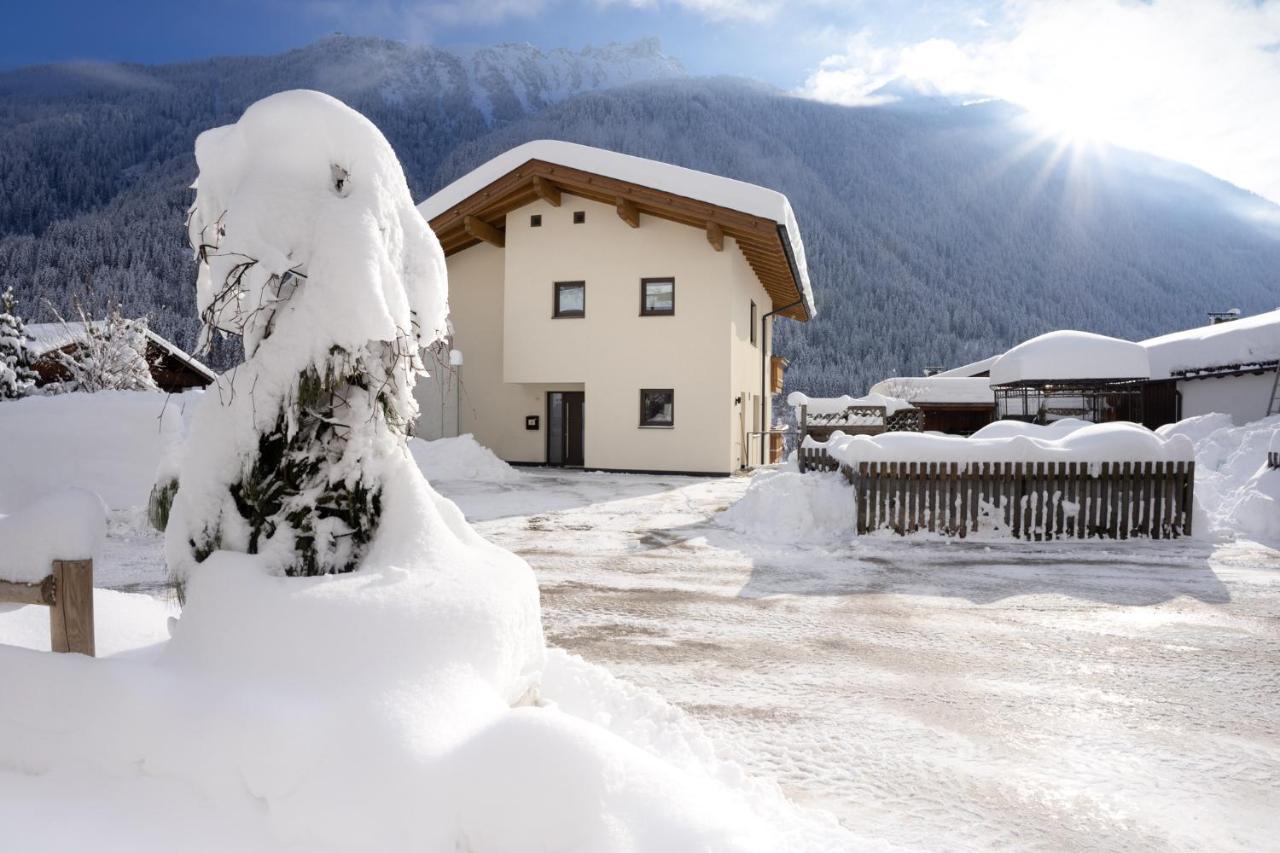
[{"x": 936, "y": 232}]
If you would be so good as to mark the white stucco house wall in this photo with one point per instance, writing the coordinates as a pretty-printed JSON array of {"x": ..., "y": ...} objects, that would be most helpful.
[
  {"x": 1225, "y": 367},
  {"x": 611, "y": 312}
]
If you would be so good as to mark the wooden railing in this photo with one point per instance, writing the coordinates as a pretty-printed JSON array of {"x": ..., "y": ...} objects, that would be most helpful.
[
  {"x": 1035, "y": 501},
  {"x": 815, "y": 459},
  {"x": 68, "y": 593}
]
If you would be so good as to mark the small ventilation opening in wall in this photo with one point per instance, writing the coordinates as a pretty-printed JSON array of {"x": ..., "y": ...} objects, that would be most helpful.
[
  {"x": 535, "y": 221},
  {"x": 579, "y": 217}
]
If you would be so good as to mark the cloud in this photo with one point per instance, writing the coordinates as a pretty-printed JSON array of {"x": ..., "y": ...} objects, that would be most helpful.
[{"x": 1196, "y": 81}]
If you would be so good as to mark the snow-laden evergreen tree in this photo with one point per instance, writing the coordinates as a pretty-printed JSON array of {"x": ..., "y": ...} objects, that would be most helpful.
[
  {"x": 110, "y": 355},
  {"x": 311, "y": 250},
  {"x": 16, "y": 375}
]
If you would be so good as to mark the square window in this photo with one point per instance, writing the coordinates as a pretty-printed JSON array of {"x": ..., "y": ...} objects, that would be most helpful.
[
  {"x": 657, "y": 407},
  {"x": 579, "y": 217},
  {"x": 657, "y": 297},
  {"x": 535, "y": 220},
  {"x": 571, "y": 299}
]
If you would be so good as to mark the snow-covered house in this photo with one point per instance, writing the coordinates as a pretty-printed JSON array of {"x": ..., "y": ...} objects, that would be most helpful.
[
  {"x": 611, "y": 312},
  {"x": 172, "y": 369},
  {"x": 1227, "y": 367},
  {"x": 953, "y": 404}
]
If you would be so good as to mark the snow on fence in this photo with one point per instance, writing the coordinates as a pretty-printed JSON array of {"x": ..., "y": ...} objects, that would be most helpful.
[
  {"x": 48, "y": 560},
  {"x": 1037, "y": 501}
]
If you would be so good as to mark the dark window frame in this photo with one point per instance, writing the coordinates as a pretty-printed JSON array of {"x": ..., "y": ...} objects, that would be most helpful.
[
  {"x": 579, "y": 217},
  {"x": 556, "y": 313},
  {"x": 752, "y": 322},
  {"x": 535, "y": 220},
  {"x": 662, "y": 425},
  {"x": 645, "y": 311}
]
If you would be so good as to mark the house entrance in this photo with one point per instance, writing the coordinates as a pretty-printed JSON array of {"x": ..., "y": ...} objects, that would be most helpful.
[{"x": 564, "y": 428}]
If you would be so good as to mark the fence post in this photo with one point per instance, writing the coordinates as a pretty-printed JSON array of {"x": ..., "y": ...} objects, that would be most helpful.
[{"x": 71, "y": 616}]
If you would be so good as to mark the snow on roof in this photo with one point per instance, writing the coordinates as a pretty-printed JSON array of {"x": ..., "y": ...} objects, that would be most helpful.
[
  {"x": 1249, "y": 340},
  {"x": 836, "y": 405},
  {"x": 47, "y": 337},
  {"x": 973, "y": 368},
  {"x": 938, "y": 389},
  {"x": 690, "y": 183},
  {"x": 1066, "y": 355}
]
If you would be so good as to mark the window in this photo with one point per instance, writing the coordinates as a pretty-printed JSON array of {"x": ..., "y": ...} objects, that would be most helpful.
[
  {"x": 657, "y": 407},
  {"x": 657, "y": 297},
  {"x": 571, "y": 299},
  {"x": 579, "y": 217},
  {"x": 753, "y": 322},
  {"x": 535, "y": 220}
]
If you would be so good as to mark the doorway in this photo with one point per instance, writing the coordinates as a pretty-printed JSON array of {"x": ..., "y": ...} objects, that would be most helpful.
[{"x": 564, "y": 428}]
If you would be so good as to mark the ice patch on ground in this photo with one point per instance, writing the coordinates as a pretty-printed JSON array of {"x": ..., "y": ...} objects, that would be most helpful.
[{"x": 460, "y": 458}]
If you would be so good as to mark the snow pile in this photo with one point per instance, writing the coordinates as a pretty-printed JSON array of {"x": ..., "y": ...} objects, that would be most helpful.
[
  {"x": 460, "y": 458},
  {"x": 1246, "y": 341},
  {"x": 1010, "y": 428},
  {"x": 111, "y": 443},
  {"x": 1095, "y": 443},
  {"x": 836, "y": 405},
  {"x": 1071, "y": 355},
  {"x": 1235, "y": 491},
  {"x": 787, "y": 506},
  {"x": 938, "y": 389},
  {"x": 65, "y": 525}
]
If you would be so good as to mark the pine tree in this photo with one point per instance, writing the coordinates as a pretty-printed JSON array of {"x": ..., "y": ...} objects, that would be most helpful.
[{"x": 16, "y": 376}]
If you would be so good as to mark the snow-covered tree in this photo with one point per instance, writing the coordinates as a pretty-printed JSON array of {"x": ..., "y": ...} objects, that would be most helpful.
[
  {"x": 310, "y": 249},
  {"x": 16, "y": 375},
  {"x": 110, "y": 355}
]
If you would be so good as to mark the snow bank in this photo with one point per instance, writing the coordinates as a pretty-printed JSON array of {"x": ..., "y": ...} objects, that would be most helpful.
[
  {"x": 1010, "y": 428},
  {"x": 835, "y": 405},
  {"x": 1071, "y": 355},
  {"x": 460, "y": 458},
  {"x": 1236, "y": 493},
  {"x": 110, "y": 442},
  {"x": 786, "y": 506},
  {"x": 65, "y": 525},
  {"x": 938, "y": 389},
  {"x": 1094, "y": 443},
  {"x": 1248, "y": 340}
]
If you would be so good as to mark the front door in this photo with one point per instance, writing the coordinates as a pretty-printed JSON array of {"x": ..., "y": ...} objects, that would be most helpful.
[{"x": 564, "y": 428}]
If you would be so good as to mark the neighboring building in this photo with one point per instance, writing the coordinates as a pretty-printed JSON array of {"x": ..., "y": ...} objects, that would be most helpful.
[
  {"x": 959, "y": 405},
  {"x": 612, "y": 312},
  {"x": 1227, "y": 366},
  {"x": 172, "y": 369}
]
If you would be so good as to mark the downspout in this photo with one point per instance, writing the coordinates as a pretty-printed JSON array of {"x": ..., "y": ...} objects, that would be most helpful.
[{"x": 764, "y": 407}]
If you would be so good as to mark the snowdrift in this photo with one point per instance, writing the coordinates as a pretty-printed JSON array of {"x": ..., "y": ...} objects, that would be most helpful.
[
  {"x": 460, "y": 458},
  {"x": 787, "y": 506}
]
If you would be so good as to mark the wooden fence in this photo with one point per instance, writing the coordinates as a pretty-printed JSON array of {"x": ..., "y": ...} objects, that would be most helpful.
[
  {"x": 815, "y": 459},
  {"x": 68, "y": 593},
  {"x": 1273, "y": 459},
  {"x": 1036, "y": 501}
]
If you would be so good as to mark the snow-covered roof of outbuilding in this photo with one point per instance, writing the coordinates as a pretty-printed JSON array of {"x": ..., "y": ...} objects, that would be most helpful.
[
  {"x": 938, "y": 390},
  {"x": 1231, "y": 345},
  {"x": 973, "y": 368},
  {"x": 47, "y": 337},
  {"x": 1069, "y": 355},
  {"x": 759, "y": 219}
]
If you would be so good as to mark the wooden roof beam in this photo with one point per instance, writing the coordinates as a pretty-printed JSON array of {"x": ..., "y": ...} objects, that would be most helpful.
[
  {"x": 715, "y": 236},
  {"x": 547, "y": 191},
  {"x": 481, "y": 230},
  {"x": 628, "y": 212}
]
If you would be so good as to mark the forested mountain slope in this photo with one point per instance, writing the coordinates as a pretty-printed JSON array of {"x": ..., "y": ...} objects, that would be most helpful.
[{"x": 935, "y": 233}]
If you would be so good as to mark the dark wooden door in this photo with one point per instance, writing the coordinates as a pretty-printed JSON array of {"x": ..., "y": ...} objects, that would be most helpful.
[{"x": 565, "y": 428}]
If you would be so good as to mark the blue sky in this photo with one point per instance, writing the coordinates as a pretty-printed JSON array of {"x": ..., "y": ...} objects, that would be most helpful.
[{"x": 1197, "y": 81}]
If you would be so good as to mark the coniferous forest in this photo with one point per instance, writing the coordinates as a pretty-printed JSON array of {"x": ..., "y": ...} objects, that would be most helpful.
[{"x": 936, "y": 233}]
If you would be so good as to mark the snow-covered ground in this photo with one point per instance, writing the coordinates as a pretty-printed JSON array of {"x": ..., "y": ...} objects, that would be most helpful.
[{"x": 937, "y": 696}]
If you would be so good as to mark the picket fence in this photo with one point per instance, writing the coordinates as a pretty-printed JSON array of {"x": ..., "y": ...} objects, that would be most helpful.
[{"x": 1035, "y": 501}]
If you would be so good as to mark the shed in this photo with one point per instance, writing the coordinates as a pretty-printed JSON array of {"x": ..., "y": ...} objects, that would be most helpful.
[
  {"x": 959, "y": 405},
  {"x": 1071, "y": 374},
  {"x": 173, "y": 369}
]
